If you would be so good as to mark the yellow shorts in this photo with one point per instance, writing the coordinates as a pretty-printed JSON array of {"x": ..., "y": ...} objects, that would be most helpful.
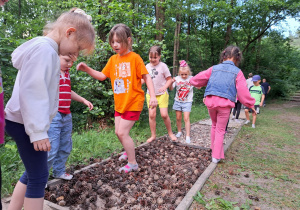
[{"x": 162, "y": 100}]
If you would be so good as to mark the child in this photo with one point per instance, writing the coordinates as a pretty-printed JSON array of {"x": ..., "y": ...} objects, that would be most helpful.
[
  {"x": 236, "y": 110},
  {"x": 257, "y": 92},
  {"x": 224, "y": 81},
  {"x": 125, "y": 69},
  {"x": 2, "y": 2},
  {"x": 162, "y": 79},
  {"x": 60, "y": 131},
  {"x": 183, "y": 98},
  {"x": 34, "y": 101}
]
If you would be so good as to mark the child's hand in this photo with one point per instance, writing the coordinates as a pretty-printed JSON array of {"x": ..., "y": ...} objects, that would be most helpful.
[
  {"x": 89, "y": 104},
  {"x": 253, "y": 110},
  {"x": 261, "y": 104},
  {"x": 203, "y": 100},
  {"x": 161, "y": 90},
  {"x": 152, "y": 103},
  {"x": 82, "y": 67},
  {"x": 42, "y": 145},
  {"x": 173, "y": 79},
  {"x": 198, "y": 88}
]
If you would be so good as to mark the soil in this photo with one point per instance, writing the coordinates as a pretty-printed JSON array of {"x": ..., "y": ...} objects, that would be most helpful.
[
  {"x": 248, "y": 187},
  {"x": 166, "y": 172}
]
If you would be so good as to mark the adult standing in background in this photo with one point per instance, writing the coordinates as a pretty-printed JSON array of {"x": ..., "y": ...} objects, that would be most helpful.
[
  {"x": 267, "y": 88},
  {"x": 2, "y": 120},
  {"x": 249, "y": 80}
]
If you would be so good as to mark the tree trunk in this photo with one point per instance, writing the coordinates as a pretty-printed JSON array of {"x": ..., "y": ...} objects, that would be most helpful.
[
  {"x": 188, "y": 39},
  {"x": 176, "y": 43},
  {"x": 160, "y": 19},
  {"x": 229, "y": 27},
  {"x": 20, "y": 8}
]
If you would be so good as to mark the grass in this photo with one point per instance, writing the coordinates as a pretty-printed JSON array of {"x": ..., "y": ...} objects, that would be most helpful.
[
  {"x": 92, "y": 143},
  {"x": 270, "y": 154}
]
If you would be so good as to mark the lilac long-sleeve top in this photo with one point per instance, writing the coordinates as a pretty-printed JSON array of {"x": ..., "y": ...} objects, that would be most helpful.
[{"x": 211, "y": 101}]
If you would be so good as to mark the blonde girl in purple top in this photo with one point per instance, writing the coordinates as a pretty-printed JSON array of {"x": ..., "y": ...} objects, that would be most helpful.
[{"x": 224, "y": 81}]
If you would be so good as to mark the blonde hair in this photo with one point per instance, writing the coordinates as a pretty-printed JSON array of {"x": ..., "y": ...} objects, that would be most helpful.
[
  {"x": 78, "y": 19},
  {"x": 183, "y": 66},
  {"x": 123, "y": 32}
]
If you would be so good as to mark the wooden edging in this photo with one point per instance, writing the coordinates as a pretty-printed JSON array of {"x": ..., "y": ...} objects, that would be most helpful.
[{"x": 188, "y": 198}]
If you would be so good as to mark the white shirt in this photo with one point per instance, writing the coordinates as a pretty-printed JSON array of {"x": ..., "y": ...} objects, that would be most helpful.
[
  {"x": 34, "y": 101},
  {"x": 184, "y": 89}
]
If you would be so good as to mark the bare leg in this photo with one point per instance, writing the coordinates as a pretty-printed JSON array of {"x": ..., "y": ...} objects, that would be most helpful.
[
  {"x": 18, "y": 196},
  {"x": 167, "y": 121},
  {"x": 247, "y": 114},
  {"x": 253, "y": 118},
  {"x": 123, "y": 129},
  {"x": 33, "y": 203},
  {"x": 178, "y": 120},
  {"x": 152, "y": 123},
  {"x": 186, "y": 116}
]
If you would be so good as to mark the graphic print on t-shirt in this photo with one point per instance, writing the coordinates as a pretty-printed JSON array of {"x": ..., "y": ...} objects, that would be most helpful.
[
  {"x": 153, "y": 72},
  {"x": 119, "y": 86},
  {"x": 183, "y": 89},
  {"x": 124, "y": 69}
]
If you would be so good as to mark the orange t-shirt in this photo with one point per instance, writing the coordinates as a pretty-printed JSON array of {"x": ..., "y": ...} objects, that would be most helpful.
[{"x": 126, "y": 73}]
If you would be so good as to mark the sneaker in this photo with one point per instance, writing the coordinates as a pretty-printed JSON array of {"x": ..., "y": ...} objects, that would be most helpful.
[
  {"x": 233, "y": 117},
  {"x": 247, "y": 121},
  {"x": 264, "y": 105},
  {"x": 237, "y": 121},
  {"x": 215, "y": 160},
  {"x": 188, "y": 139},
  {"x": 46, "y": 186},
  {"x": 253, "y": 125},
  {"x": 178, "y": 134},
  {"x": 65, "y": 176},
  {"x": 123, "y": 156},
  {"x": 129, "y": 167}
]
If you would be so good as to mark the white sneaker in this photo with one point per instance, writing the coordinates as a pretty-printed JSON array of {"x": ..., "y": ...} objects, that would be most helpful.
[
  {"x": 215, "y": 160},
  {"x": 253, "y": 125},
  {"x": 65, "y": 176},
  {"x": 247, "y": 121},
  {"x": 188, "y": 139},
  {"x": 178, "y": 134}
]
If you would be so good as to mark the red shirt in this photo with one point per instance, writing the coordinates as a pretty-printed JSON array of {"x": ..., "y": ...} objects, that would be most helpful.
[{"x": 64, "y": 93}]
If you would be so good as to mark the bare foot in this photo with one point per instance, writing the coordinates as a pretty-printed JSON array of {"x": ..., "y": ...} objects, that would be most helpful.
[
  {"x": 173, "y": 137},
  {"x": 151, "y": 139}
]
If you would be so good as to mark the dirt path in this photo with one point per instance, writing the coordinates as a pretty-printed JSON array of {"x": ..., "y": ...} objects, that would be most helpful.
[{"x": 261, "y": 169}]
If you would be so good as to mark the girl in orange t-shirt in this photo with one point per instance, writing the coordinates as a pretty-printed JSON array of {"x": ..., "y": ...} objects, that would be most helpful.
[{"x": 126, "y": 69}]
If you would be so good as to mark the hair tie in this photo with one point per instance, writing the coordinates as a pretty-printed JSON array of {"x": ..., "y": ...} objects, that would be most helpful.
[
  {"x": 80, "y": 11},
  {"x": 182, "y": 63}
]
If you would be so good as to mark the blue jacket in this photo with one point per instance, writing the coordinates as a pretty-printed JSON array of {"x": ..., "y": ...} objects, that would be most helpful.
[{"x": 222, "y": 81}]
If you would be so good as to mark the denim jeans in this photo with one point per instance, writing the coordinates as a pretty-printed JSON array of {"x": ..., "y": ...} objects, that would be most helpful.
[{"x": 60, "y": 137}]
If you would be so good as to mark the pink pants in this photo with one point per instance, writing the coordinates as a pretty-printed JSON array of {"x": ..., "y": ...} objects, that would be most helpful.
[{"x": 219, "y": 118}]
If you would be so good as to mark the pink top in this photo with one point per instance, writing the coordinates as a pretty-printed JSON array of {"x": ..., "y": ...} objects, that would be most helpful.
[{"x": 211, "y": 101}]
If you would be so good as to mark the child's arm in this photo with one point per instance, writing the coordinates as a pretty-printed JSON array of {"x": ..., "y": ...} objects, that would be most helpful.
[
  {"x": 201, "y": 79},
  {"x": 171, "y": 87},
  {"x": 95, "y": 74},
  {"x": 168, "y": 83},
  {"x": 149, "y": 83},
  {"x": 76, "y": 97},
  {"x": 262, "y": 100}
]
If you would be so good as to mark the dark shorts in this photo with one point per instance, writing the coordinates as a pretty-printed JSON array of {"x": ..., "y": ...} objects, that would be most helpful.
[
  {"x": 129, "y": 115},
  {"x": 255, "y": 107}
]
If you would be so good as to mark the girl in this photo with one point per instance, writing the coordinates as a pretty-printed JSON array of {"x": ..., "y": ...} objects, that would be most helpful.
[
  {"x": 162, "y": 79},
  {"x": 183, "y": 98},
  {"x": 126, "y": 70},
  {"x": 224, "y": 81},
  {"x": 34, "y": 101}
]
